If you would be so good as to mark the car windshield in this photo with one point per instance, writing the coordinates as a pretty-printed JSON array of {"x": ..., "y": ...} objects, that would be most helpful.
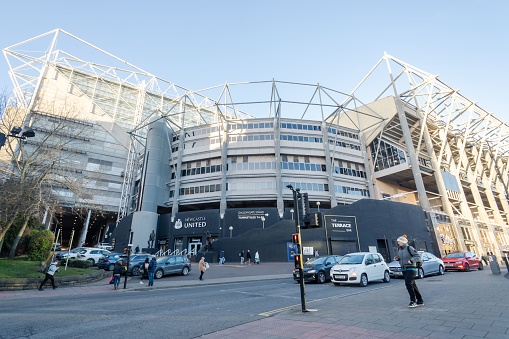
[
  {"x": 352, "y": 259},
  {"x": 455, "y": 255},
  {"x": 315, "y": 261}
]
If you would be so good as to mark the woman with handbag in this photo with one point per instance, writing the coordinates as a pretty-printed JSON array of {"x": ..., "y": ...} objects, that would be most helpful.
[{"x": 202, "y": 266}]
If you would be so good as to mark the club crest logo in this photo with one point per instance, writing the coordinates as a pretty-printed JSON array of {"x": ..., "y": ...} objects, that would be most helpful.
[{"x": 178, "y": 224}]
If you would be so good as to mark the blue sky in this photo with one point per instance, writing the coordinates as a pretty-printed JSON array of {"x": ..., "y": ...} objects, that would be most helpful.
[{"x": 197, "y": 44}]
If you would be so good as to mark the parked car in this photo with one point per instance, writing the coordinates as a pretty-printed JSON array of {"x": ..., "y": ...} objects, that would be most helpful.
[
  {"x": 62, "y": 255},
  {"x": 56, "y": 247},
  {"x": 462, "y": 261},
  {"x": 430, "y": 265},
  {"x": 104, "y": 246},
  {"x": 318, "y": 269},
  {"x": 107, "y": 261},
  {"x": 135, "y": 262},
  {"x": 360, "y": 268},
  {"x": 91, "y": 254},
  {"x": 172, "y": 264}
]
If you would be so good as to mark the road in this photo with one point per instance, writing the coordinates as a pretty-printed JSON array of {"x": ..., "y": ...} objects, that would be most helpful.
[{"x": 183, "y": 312}]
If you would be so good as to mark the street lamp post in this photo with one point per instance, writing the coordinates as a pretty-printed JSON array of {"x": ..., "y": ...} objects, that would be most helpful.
[
  {"x": 263, "y": 222},
  {"x": 318, "y": 204},
  {"x": 291, "y": 211},
  {"x": 231, "y": 230}
]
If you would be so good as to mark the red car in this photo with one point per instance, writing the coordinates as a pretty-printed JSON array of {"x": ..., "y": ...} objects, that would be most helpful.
[{"x": 462, "y": 261}]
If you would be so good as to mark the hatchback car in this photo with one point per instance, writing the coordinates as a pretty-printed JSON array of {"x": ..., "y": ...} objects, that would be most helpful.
[
  {"x": 318, "y": 269},
  {"x": 107, "y": 261},
  {"x": 92, "y": 255},
  {"x": 360, "y": 268},
  {"x": 462, "y": 261},
  {"x": 104, "y": 246},
  {"x": 62, "y": 255},
  {"x": 430, "y": 265},
  {"x": 172, "y": 264}
]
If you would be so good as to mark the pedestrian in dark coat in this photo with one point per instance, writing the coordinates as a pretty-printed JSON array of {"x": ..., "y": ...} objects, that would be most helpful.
[
  {"x": 152, "y": 265},
  {"x": 248, "y": 257},
  {"x": 408, "y": 257},
  {"x": 117, "y": 271}
]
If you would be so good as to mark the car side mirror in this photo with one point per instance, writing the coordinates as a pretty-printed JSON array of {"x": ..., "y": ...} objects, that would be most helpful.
[{"x": 369, "y": 262}]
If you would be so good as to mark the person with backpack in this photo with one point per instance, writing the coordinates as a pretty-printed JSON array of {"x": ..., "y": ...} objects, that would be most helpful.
[
  {"x": 408, "y": 259},
  {"x": 50, "y": 271}
]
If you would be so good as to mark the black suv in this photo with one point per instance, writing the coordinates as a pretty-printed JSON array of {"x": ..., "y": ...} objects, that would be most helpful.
[
  {"x": 318, "y": 269},
  {"x": 136, "y": 262}
]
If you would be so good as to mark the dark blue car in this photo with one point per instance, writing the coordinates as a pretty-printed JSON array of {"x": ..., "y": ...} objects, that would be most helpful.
[
  {"x": 107, "y": 261},
  {"x": 318, "y": 269}
]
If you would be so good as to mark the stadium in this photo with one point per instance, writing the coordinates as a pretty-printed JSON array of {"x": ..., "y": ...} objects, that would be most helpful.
[{"x": 185, "y": 164}]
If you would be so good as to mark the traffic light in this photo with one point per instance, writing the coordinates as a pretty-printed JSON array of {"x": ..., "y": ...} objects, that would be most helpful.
[
  {"x": 295, "y": 238},
  {"x": 296, "y": 260},
  {"x": 3, "y": 138}
]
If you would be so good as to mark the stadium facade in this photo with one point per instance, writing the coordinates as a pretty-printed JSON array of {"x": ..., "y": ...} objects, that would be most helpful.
[{"x": 176, "y": 162}]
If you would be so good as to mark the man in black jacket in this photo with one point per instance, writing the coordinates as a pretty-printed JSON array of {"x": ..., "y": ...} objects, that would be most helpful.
[{"x": 408, "y": 258}]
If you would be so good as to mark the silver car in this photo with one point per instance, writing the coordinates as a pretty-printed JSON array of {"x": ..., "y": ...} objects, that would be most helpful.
[
  {"x": 431, "y": 265},
  {"x": 172, "y": 264}
]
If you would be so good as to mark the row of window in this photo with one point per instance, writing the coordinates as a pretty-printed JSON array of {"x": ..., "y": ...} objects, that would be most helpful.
[
  {"x": 264, "y": 165},
  {"x": 307, "y": 186},
  {"x": 250, "y": 137},
  {"x": 300, "y": 138},
  {"x": 299, "y": 166},
  {"x": 200, "y": 189},
  {"x": 198, "y": 170},
  {"x": 301, "y": 126},
  {"x": 250, "y": 125},
  {"x": 349, "y": 171},
  {"x": 344, "y": 144},
  {"x": 387, "y": 156},
  {"x": 252, "y": 186},
  {"x": 343, "y": 133},
  {"x": 351, "y": 190}
]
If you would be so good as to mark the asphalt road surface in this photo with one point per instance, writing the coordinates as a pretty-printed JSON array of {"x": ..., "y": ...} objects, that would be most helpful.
[{"x": 161, "y": 313}]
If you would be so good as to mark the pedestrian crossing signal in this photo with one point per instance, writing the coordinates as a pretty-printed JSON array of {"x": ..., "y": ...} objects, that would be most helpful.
[{"x": 297, "y": 260}]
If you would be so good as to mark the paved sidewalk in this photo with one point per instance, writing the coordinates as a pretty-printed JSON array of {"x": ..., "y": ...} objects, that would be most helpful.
[{"x": 458, "y": 305}]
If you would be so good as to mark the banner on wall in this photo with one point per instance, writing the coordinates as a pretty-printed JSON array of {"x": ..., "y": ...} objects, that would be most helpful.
[{"x": 341, "y": 227}]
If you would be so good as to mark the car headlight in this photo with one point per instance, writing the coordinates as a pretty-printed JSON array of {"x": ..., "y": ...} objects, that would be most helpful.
[{"x": 312, "y": 271}]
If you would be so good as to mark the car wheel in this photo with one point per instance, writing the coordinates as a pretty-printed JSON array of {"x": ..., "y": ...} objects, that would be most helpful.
[
  {"x": 136, "y": 271},
  {"x": 467, "y": 268},
  {"x": 387, "y": 277},
  {"x": 441, "y": 270},
  {"x": 185, "y": 271},
  {"x": 110, "y": 267},
  {"x": 364, "y": 280},
  {"x": 420, "y": 273},
  {"x": 320, "y": 278},
  {"x": 158, "y": 274},
  {"x": 481, "y": 266},
  {"x": 91, "y": 261}
]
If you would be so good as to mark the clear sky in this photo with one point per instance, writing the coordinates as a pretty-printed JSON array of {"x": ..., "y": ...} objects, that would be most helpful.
[{"x": 197, "y": 44}]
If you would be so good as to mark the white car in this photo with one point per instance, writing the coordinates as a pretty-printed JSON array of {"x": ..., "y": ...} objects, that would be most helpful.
[
  {"x": 360, "y": 268},
  {"x": 71, "y": 254},
  {"x": 91, "y": 254},
  {"x": 104, "y": 246}
]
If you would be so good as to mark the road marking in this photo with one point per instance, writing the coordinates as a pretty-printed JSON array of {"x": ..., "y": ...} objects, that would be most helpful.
[{"x": 279, "y": 310}]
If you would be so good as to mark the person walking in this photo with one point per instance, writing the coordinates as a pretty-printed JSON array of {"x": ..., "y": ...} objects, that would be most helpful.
[
  {"x": 144, "y": 270},
  {"x": 248, "y": 257},
  {"x": 137, "y": 249},
  {"x": 408, "y": 258},
  {"x": 257, "y": 257},
  {"x": 241, "y": 255},
  {"x": 316, "y": 254},
  {"x": 117, "y": 271},
  {"x": 49, "y": 275},
  {"x": 151, "y": 270},
  {"x": 202, "y": 266},
  {"x": 221, "y": 257}
]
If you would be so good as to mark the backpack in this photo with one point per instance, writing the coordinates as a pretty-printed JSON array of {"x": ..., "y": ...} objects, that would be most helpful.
[{"x": 418, "y": 263}]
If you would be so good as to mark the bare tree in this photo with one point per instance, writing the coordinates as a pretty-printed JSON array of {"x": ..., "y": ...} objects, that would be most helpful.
[{"x": 41, "y": 172}]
